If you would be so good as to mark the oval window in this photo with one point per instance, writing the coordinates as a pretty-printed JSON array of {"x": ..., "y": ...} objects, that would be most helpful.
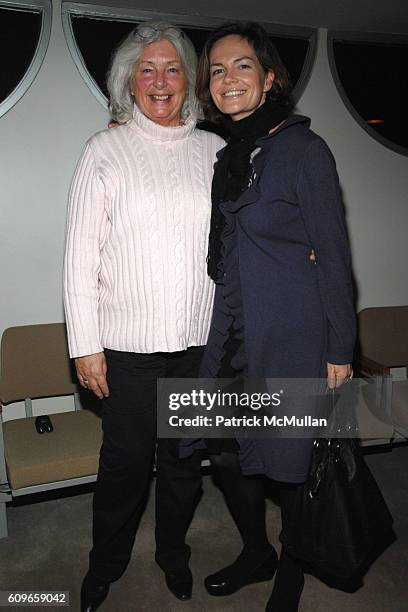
[
  {"x": 369, "y": 77},
  {"x": 24, "y": 35}
]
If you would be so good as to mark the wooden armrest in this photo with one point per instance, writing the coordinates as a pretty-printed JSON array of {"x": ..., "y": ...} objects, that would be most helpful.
[{"x": 365, "y": 364}]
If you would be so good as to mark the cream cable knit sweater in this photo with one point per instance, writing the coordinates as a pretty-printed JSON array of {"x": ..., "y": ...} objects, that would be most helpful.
[{"x": 138, "y": 220}]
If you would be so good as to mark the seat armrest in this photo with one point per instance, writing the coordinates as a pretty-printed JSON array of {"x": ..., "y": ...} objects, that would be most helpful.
[{"x": 365, "y": 365}]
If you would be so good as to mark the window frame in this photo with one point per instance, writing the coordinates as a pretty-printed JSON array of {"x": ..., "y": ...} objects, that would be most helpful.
[
  {"x": 363, "y": 37},
  {"x": 44, "y": 7},
  {"x": 106, "y": 12}
]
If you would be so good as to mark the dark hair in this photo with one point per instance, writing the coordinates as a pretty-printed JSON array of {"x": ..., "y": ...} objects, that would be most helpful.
[{"x": 266, "y": 53}]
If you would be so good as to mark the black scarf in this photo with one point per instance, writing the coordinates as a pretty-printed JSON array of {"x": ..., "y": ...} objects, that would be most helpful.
[{"x": 232, "y": 172}]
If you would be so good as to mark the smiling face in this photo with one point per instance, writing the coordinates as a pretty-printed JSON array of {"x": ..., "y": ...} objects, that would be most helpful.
[
  {"x": 159, "y": 83},
  {"x": 238, "y": 83}
]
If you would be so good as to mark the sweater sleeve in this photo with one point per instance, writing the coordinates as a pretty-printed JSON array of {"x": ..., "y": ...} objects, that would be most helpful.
[
  {"x": 321, "y": 207},
  {"x": 86, "y": 225}
]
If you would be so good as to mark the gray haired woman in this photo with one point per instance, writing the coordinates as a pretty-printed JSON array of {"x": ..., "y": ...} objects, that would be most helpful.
[{"x": 137, "y": 296}]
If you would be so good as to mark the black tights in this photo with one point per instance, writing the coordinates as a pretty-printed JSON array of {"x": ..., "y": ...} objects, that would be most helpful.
[
  {"x": 289, "y": 579},
  {"x": 245, "y": 497}
]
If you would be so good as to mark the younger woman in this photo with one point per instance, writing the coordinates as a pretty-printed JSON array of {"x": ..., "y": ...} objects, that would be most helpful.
[{"x": 287, "y": 314}]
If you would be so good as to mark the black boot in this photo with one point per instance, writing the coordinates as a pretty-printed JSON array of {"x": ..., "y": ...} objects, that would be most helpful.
[
  {"x": 180, "y": 583},
  {"x": 93, "y": 593},
  {"x": 249, "y": 567}
]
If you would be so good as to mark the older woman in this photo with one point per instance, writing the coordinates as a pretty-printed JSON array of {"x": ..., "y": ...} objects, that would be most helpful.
[
  {"x": 137, "y": 296},
  {"x": 276, "y": 194}
]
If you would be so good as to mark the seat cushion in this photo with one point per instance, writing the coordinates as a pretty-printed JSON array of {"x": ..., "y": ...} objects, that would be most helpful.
[{"x": 70, "y": 451}]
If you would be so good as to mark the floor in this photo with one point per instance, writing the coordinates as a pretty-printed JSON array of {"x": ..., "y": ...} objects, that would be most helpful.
[{"x": 50, "y": 538}]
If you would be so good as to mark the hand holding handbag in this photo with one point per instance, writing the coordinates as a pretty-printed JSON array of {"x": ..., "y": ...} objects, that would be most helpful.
[{"x": 340, "y": 519}]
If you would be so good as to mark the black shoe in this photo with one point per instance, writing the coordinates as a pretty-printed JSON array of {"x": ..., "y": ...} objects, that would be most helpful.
[
  {"x": 247, "y": 569},
  {"x": 180, "y": 584},
  {"x": 93, "y": 593}
]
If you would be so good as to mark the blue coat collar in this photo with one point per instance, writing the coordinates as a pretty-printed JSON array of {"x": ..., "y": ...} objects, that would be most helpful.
[
  {"x": 252, "y": 193},
  {"x": 292, "y": 120}
]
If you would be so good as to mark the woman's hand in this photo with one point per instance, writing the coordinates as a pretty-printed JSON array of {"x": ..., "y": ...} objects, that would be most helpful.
[
  {"x": 338, "y": 374},
  {"x": 91, "y": 371}
]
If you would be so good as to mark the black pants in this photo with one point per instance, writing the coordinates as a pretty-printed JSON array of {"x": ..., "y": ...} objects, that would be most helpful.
[{"x": 126, "y": 460}]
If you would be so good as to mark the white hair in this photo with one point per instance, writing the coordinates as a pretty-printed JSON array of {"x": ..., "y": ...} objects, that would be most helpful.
[{"x": 130, "y": 51}]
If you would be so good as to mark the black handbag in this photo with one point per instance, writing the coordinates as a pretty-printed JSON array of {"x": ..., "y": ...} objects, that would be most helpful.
[{"x": 340, "y": 521}]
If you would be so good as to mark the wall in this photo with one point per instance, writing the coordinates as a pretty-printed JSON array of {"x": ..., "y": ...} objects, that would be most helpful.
[
  {"x": 374, "y": 180},
  {"x": 43, "y": 135},
  {"x": 41, "y": 140}
]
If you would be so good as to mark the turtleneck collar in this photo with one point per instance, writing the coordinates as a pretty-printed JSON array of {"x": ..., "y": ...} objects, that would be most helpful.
[{"x": 155, "y": 131}]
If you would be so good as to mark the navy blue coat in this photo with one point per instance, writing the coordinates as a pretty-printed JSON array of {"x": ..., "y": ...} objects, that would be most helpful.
[{"x": 292, "y": 315}]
